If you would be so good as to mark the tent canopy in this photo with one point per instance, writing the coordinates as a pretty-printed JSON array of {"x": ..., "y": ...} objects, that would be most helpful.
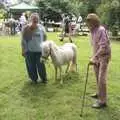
[{"x": 23, "y": 7}]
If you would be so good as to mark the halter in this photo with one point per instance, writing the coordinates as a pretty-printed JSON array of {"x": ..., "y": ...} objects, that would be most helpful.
[{"x": 46, "y": 58}]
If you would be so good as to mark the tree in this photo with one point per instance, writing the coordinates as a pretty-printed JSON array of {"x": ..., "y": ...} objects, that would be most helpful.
[
  {"x": 52, "y": 9},
  {"x": 110, "y": 14}
]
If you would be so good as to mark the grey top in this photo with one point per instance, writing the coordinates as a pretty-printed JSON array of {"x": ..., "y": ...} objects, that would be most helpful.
[{"x": 31, "y": 40}]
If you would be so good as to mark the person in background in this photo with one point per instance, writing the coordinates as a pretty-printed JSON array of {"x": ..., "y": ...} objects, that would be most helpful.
[
  {"x": 78, "y": 25},
  {"x": 22, "y": 20},
  {"x": 12, "y": 25},
  {"x": 33, "y": 35},
  {"x": 67, "y": 29},
  {"x": 45, "y": 23},
  {"x": 62, "y": 24},
  {"x": 73, "y": 24},
  {"x": 79, "y": 21},
  {"x": 100, "y": 59},
  {"x": 74, "y": 18}
]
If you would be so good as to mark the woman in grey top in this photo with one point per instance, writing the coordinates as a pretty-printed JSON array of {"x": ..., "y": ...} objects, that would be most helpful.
[{"x": 33, "y": 35}]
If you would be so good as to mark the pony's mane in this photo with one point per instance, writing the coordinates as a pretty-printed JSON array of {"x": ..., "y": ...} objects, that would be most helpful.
[{"x": 53, "y": 45}]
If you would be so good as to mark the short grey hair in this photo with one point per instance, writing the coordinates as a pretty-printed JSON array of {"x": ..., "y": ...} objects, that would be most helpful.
[{"x": 34, "y": 15}]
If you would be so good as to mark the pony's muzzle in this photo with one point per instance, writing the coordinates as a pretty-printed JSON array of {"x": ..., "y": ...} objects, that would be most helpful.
[{"x": 43, "y": 59}]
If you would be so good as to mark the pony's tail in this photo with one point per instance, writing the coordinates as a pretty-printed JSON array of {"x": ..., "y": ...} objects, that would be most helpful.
[
  {"x": 73, "y": 65},
  {"x": 74, "y": 61}
]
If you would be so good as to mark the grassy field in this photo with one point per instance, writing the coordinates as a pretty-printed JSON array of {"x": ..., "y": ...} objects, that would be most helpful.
[{"x": 21, "y": 100}]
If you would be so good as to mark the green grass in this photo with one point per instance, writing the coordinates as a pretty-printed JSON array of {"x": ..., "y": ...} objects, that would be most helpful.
[{"x": 21, "y": 100}]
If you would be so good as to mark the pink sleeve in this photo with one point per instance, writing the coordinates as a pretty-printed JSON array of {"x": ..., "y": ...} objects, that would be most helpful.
[{"x": 103, "y": 42}]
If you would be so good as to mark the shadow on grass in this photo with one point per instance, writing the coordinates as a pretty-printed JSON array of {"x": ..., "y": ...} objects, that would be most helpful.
[
  {"x": 36, "y": 90},
  {"x": 110, "y": 113},
  {"x": 70, "y": 78},
  {"x": 42, "y": 91}
]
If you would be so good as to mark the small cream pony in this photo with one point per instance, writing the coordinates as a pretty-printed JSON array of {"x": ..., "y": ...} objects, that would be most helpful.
[{"x": 60, "y": 55}]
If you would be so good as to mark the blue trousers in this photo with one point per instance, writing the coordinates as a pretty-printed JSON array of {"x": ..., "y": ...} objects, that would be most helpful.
[{"x": 34, "y": 66}]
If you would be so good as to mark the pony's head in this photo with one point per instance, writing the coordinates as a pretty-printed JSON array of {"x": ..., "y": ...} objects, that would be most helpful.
[{"x": 46, "y": 49}]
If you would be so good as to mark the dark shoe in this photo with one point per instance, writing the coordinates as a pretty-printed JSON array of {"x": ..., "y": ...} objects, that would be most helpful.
[
  {"x": 34, "y": 81},
  {"x": 44, "y": 81},
  {"x": 71, "y": 41},
  {"x": 95, "y": 96},
  {"x": 61, "y": 39},
  {"x": 99, "y": 105}
]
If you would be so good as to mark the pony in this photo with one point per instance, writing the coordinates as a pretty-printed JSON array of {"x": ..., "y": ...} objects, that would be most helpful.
[{"x": 60, "y": 55}]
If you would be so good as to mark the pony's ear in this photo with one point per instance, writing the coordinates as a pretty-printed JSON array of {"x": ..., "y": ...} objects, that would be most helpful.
[{"x": 50, "y": 44}]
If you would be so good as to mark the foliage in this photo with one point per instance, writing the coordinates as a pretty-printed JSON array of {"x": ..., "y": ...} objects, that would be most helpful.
[
  {"x": 53, "y": 9},
  {"x": 67, "y": 6},
  {"x": 1, "y": 6},
  {"x": 1, "y": 13},
  {"x": 110, "y": 14},
  {"x": 108, "y": 10},
  {"x": 92, "y": 5}
]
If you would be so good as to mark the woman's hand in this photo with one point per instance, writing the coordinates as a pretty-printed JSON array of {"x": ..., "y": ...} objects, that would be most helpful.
[
  {"x": 23, "y": 53},
  {"x": 93, "y": 61}
]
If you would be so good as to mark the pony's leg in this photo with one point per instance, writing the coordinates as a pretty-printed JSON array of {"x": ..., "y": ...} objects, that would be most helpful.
[
  {"x": 67, "y": 68},
  {"x": 73, "y": 67},
  {"x": 61, "y": 80},
  {"x": 74, "y": 62},
  {"x": 76, "y": 67},
  {"x": 55, "y": 73},
  {"x": 70, "y": 37},
  {"x": 62, "y": 38}
]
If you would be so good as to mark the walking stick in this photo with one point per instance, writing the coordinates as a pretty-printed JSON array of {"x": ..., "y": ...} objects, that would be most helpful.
[{"x": 83, "y": 100}]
